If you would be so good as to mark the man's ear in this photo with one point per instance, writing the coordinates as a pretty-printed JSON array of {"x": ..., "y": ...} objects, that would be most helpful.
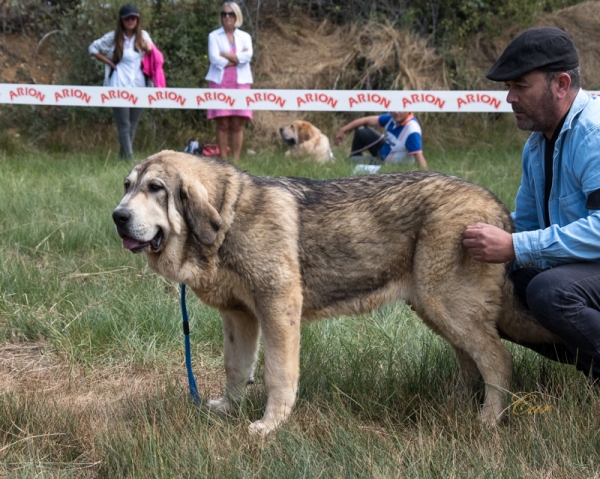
[
  {"x": 563, "y": 84},
  {"x": 201, "y": 218}
]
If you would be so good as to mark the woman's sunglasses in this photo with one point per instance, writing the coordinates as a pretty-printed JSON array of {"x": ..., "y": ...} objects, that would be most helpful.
[
  {"x": 130, "y": 18},
  {"x": 228, "y": 14}
]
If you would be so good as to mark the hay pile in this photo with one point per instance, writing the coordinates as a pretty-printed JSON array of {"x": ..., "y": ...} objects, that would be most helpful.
[
  {"x": 307, "y": 54},
  {"x": 304, "y": 54},
  {"x": 581, "y": 22}
]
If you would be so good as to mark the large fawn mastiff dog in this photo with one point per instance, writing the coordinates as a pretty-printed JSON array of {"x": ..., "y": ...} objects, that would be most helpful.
[{"x": 269, "y": 253}]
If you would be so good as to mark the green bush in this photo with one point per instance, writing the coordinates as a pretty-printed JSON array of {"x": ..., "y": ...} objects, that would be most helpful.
[
  {"x": 458, "y": 20},
  {"x": 180, "y": 31}
]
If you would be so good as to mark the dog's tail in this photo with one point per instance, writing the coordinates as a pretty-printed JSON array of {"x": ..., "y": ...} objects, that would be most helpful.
[{"x": 518, "y": 323}]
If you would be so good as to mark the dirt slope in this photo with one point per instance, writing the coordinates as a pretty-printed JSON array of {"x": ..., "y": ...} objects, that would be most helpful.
[{"x": 25, "y": 60}]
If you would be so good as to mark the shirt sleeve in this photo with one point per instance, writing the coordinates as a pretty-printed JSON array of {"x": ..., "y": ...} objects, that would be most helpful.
[
  {"x": 525, "y": 217},
  {"x": 103, "y": 45},
  {"x": 413, "y": 143},
  {"x": 577, "y": 241},
  {"x": 557, "y": 245},
  {"x": 384, "y": 119},
  {"x": 146, "y": 37},
  {"x": 214, "y": 51},
  {"x": 245, "y": 53}
]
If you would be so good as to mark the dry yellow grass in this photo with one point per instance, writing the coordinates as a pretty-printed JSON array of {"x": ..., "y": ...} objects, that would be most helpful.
[
  {"x": 305, "y": 54},
  {"x": 34, "y": 370}
]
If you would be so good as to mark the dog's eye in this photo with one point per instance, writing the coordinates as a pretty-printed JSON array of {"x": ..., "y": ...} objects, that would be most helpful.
[
  {"x": 155, "y": 187},
  {"x": 126, "y": 184}
]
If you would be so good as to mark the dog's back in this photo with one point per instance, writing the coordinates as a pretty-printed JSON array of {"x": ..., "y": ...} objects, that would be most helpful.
[
  {"x": 373, "y": 239},
  {"x": 359, "y": 236}
]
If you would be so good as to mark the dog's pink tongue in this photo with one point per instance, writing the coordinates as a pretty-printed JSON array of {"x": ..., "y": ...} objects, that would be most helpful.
[{"x": 130, "y": 243}]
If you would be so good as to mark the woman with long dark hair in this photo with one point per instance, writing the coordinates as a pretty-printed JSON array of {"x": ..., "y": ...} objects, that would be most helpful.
[{"x": 122, "y": 50}]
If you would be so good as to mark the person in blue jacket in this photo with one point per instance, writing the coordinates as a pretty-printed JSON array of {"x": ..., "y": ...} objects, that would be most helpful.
[{"x": 555, "y": 248}]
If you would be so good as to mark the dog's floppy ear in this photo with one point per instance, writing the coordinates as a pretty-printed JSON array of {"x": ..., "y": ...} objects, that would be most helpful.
[
  {"x": 172, "y": 214},
  {"x": 304, "y": 132},
  {"x": 202, "y": 219}
]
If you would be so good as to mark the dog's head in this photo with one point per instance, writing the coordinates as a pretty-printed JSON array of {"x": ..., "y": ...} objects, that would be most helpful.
[
  {"x": 298, "y": 132},
  {"x": 166, "y": 196}
]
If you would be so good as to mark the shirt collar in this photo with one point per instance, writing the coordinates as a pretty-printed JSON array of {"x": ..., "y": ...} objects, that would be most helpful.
[
  {"x": 222, "y": 30},
  {"x": 580, "y": 102},
  {"x": 558, "y": 129}
]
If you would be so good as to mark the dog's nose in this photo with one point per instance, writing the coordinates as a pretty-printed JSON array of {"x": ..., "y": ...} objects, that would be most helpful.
[
  {"x": 280, "y": 130},
  {"x": 121, "y": 217}
]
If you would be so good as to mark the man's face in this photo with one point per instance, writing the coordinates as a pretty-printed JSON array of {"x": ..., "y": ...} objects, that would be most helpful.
[
  {"x": 400, "y": 116},
  {"x": 533, "y": 101}
]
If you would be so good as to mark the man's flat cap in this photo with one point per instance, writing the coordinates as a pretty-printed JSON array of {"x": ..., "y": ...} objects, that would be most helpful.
[{"x": 546, "y": 49}]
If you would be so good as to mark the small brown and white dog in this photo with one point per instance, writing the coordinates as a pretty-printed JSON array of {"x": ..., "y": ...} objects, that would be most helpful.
[{"x": 307, "y": 141}]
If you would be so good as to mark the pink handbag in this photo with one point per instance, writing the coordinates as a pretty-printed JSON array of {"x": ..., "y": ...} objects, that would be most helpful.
[{"x": 210, "y": 149}]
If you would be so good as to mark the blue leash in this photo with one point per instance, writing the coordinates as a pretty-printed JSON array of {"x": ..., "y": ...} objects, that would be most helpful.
[{"x": 188, "y": 353}]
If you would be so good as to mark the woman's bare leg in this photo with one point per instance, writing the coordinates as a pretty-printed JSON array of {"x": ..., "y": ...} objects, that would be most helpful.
[
  {"x": 236, "y": 127},
  {"x": 223, "y": 127}
]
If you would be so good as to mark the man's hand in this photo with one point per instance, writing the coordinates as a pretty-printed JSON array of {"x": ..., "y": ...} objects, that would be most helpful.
[
  {"x": 488, "y": 243},
  {"x": 339, "y": 136}
]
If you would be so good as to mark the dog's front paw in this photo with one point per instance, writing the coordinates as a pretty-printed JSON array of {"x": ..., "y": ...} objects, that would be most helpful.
[
  {"x": 220, "y": 405},
  {"x": 288, "y": 153},
  {"x": 262, "y": 428}
]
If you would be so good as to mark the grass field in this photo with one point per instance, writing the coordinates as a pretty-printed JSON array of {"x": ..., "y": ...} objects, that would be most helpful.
[{"x": 92, "y": 376}]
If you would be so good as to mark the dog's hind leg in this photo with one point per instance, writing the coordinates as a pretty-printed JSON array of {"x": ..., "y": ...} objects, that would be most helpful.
[
  {"x": 281, "y": 341},
  {"x": 495, "y": 364},
  {"x": 469, "y": 372},
  {"x": 468, "y": 328},
  {"x": 241, "y": 333},
  {"x": 461, "y": 300}
]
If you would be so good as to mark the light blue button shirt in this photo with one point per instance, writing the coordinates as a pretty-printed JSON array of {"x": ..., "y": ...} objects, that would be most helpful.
[{"x": 574, "y": 233}]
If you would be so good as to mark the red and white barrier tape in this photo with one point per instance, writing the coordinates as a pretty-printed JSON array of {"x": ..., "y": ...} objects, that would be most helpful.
[{"x": 274, "y": 100}]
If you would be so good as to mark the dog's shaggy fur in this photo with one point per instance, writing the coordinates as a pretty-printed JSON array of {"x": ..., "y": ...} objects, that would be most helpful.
[
  {"x": 306, "y": 141},
  {"x": 269, "y": 253}
]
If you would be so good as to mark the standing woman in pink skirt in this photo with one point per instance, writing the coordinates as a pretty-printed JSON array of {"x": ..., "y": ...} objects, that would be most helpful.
[{"x": 230, "y": 52}]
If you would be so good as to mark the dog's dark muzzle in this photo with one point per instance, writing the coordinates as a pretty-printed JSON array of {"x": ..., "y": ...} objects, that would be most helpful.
[{"x": 288, "y": 141}]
